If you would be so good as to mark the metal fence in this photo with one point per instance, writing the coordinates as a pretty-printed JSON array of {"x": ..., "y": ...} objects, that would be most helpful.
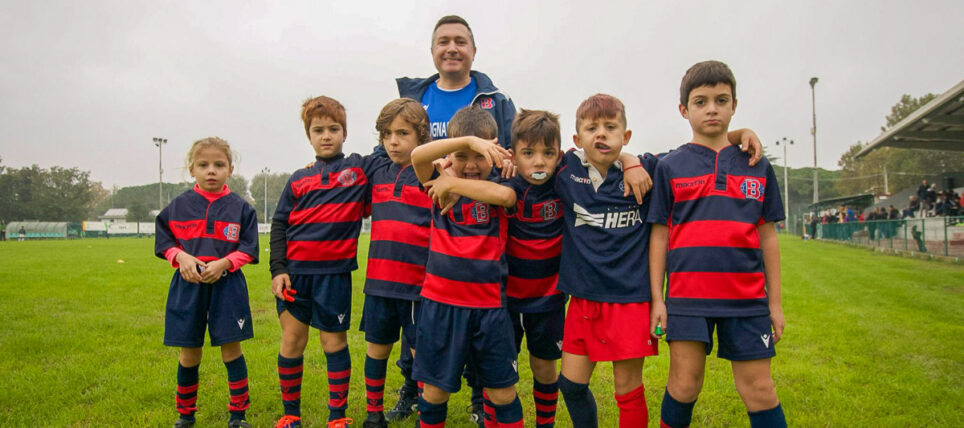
[{"x": 942, "y": 236}]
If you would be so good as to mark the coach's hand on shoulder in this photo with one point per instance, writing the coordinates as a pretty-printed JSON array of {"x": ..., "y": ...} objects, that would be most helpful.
[
  {"x": 188, "y": 267},
  {"x": 215, "y": 270},
  {"x": 657, "y": 317},
  {"x": 281, "y": 287},
  {"x": 776, "y": 318}
]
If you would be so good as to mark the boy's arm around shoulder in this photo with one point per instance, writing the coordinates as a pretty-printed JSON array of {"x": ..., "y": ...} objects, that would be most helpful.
[
  {"x": 479, "y": 190},
  {"x": 770, "y": 247}
]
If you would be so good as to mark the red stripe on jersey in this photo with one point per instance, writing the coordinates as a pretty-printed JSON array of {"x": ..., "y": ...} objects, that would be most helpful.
[
  {"x": 460, "y": 293},
  {"x": 327, "y": 213},
  {"x": 395, "y": 271},
  {"x": 714, "y": 233},
  {"x": 344, "y": 178},
  {"x": 717, "y": 285},
  {"x": 314, "y": 251},
  {"x": 688, "y": 188},
  {"x": 524, "y": 288},
  {"x": 400, "y": 231},
  {"x": 184, "y": 230},
  {"x": 411, "y": 195},
  {"x": 467, "y": 247},
  {"x": 534, "y": 249}
]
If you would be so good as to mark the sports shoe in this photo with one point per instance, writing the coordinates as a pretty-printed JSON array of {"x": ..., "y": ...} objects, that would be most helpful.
[
  {"x": 375, "y": 420},
  {"x": 477, "y": 414},
  {"x": 340, "y": 423},
  {"x": 183, "y": 423},
  {"x": 405, "y": 406},
  {"x": 288, "y": 421},
  {"x": 238, "y": 423}
]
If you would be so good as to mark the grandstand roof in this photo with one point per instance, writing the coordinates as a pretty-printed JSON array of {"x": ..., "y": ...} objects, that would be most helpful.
[
  {"x": 857, "y": 201},
  {"x": 114, "y": 213},
  {"x": 937, "y": 125}
]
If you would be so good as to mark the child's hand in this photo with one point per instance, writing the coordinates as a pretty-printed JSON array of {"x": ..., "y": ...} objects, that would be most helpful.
[
  {"x": 657, "y": 317},
  {"x": 493, "y": 152},
  {"x": 776, "y": 318},
  {"x": 215, "y": 270},
  {"x": 509, "y": 169},
  {"x": 310, "y": 165},
  {"x": 281, "y": 287},
  {"x": 188, "y": 267},
  {"x": 750, "y": 143},
  {"x": 637, "y": 181},
  {"x": 439, "y": 188}
]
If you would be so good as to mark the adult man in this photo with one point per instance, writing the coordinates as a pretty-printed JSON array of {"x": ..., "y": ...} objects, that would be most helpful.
[
  {"x": 456, "y": 84},
  {"x": 453, "y": 87}
]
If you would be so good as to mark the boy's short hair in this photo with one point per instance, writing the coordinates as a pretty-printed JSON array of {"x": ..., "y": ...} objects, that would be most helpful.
[
  {"x": 706, "y": 73},
  {"x": 601, "y": 105},
  {"x": 409, "y": 110},
  {"x": 536, "y": 126},
  {"x": 472, "y": 120},
  {"x": 323, "y": 106},
  {"x": 453, "y": 19}
]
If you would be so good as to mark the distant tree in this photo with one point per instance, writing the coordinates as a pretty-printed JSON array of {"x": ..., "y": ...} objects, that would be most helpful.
[
  {"x": 239, "y": 185},
  {"x": 904, "y": 167},
  {"x": 276, "y": 183},
  {"x": 136, "y": 211},
  {"x": 55, "y": 194}
]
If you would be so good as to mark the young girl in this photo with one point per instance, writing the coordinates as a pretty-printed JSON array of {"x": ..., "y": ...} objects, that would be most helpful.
[{"x": 208, "y": 233}]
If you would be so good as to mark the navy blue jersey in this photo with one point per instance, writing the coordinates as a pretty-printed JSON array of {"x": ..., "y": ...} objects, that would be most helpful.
[
  {"x": 466, "y": 263},
  {"x": 605, "y": 242},
  {"x": 712, "y": 203},
  {"x": 207, "y": 230},
  {"x": 533, "y": 248},
  {"x": 322, "y": 207},
  {"x": 401, "y": 217},
  {"x": 441, "y": 105}
]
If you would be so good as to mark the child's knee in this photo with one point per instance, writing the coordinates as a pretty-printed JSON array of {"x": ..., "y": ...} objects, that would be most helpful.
[
  {"x": 378, "y": 351},
  {"x": 758, "y": 390},
  {"x": 230, "y": 351},
  {"x": 572, "y": 389},
  {"x": 501, "y": 396},
  {"x": 293, "y": 340},
  {"x": 434, "y": 394},
  {"x": 543, "y": 371},
  {"x": 190, "y": 357},
  {"x": 333, "y": 341},
  {"x": 685, "y": 388}
]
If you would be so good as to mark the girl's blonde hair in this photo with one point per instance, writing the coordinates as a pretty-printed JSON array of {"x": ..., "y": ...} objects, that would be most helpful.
[{"x": 215, "y": 142}]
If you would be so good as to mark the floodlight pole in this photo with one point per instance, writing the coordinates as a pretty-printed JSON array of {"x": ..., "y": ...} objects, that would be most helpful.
[
  {"x": 160, "y": 173},
  {"x": 265, "y": 171},
  {"x": 813, "y": 97},
  {"x": 786, "y": 175}
]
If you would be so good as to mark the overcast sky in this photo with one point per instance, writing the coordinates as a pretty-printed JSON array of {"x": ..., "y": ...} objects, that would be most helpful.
[{"x": 88, "y": 84}]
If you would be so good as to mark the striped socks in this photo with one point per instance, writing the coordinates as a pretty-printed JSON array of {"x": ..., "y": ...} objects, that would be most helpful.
[
  {"x": 339, "y": 374},
  {"x": 238, "y": 386}
]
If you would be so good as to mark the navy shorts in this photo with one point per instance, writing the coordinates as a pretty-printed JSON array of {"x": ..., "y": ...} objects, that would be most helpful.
[
  {"x": 323, "y": 301},
  {"x": 382, "y": 317},
  {"x": 741, "y": 338},
  {"x": 449, "y": 337},
  {"x": 221, "y": 308},
  {"x": 543, "y": 332}
]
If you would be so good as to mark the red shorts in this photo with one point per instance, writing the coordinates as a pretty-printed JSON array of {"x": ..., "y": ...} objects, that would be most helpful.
[{"x": 608, "y": 331}]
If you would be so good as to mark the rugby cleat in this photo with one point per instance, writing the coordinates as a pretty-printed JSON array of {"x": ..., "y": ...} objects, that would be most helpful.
[
  {"x": 340, "y": 423},
  {"x": 405, "y": 406},
  {"x": 375, "y": 420},
  {"x": 288, "y": 421},
  {"x": 183, "y": 423},
  {"x": 238, "y": 423}
]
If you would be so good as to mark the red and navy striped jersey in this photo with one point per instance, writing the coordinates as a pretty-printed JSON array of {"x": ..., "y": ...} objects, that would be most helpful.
[
  {"x": 605, "y": 241},
  {"x": 466, "y": 261},
  {"x": 323, "y": 207},
  {"x": 401, "y": 217},
  {"x": 208, "y": 230},
  {"x": 712, "y": 203},
  {"x": 533, "y": 248}
]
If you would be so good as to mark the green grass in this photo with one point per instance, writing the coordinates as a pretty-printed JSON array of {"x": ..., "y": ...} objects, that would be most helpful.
[{"x": 871, "y": 340}]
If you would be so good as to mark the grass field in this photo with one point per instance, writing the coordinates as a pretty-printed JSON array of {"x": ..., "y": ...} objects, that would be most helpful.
[{"x": 871, "y": 340}]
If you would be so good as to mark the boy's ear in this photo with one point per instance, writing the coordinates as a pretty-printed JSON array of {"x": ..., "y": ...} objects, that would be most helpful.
[
  {"x": 734, "y": 105},
  {"x": 629, "y": 134},
  {"x": 231, "y": 170},
  {"x": 575, "y": 140},
  {"x": 683, "y": 112}
]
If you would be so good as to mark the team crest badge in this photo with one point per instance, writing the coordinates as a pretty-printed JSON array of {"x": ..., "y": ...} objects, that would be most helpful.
[
  {"x": 480, "y": 212},
  {"x": 487, "y": 103},
  {"x": 231, "y": 231},
  {"x": 751, "y": 188},
  {"x": 347, "y": 177},
  {"x": 550, "y": 210}
]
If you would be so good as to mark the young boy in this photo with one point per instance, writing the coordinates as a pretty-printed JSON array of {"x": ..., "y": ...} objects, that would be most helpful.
[
  {"x": 401, "y": 215},
  {"x": 604, "y": 254},
  {"x": 314, "y": 240},
  {"x": 713, "y": 234},
  {"x": 463, "y": 316}
]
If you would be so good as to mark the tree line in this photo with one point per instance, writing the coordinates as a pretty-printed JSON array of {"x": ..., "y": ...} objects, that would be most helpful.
[{"x": 68, "y": 194}]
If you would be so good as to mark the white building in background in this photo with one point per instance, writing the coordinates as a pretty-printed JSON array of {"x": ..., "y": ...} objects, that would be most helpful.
[{"x": 114, "y": 215}]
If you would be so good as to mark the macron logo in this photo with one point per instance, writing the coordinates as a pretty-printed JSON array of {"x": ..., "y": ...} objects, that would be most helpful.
[
  {"x": 766, "y": 339},
  {"x": 581, "y": 180},
  {"x": 609, "y": 220},
  {"x": 241, "y": 323}
]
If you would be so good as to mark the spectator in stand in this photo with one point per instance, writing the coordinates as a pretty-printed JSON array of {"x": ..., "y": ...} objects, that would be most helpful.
[
  {"x": 912, "y": 207},
  {"x": 931, "y": 196},
  {"x": 942, "y": 207},
  {"x": 893, "y": 214}
]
